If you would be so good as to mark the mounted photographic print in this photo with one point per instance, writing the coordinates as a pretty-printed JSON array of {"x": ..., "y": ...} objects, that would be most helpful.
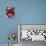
[
  {"x": 10, "y": 11},
  {"x": 32, "y": 32}
]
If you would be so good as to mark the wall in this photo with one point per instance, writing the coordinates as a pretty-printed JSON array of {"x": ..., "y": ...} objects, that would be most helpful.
[{"x": 27, "y": 12}]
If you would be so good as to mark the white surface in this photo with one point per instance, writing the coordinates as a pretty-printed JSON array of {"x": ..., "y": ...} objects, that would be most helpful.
[
  {"x": 15, "y": 45},
  {"x": 24, "y": 33},
  {"x": 37, "y": 37}
]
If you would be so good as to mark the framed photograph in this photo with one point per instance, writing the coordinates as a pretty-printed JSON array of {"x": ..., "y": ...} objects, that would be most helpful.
[
  {"x": 32, "y": 32},
  {"x": 10, "y": 11}
]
